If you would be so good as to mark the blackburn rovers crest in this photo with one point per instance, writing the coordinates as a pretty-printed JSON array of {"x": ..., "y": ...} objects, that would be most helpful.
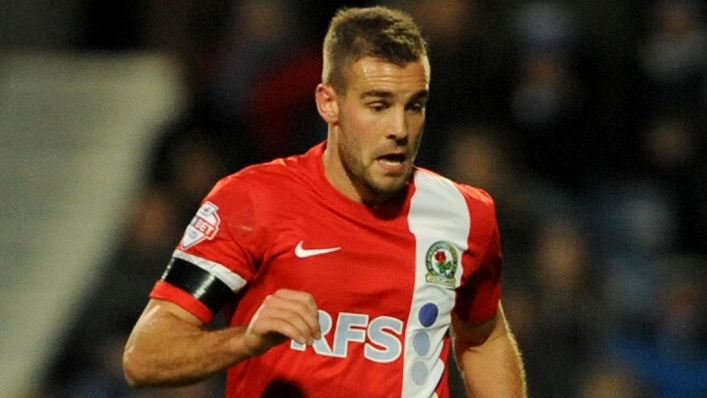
[{"x": 442, "y": 261}]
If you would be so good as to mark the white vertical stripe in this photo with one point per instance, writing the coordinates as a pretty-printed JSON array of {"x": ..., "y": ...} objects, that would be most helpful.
[{"x": 438, "y": 213}]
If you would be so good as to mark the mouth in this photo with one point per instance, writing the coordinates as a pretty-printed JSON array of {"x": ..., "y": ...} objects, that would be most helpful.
[{"x": 393, "y": 163}]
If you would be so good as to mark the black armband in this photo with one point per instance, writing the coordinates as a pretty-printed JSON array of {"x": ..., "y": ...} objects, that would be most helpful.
[{"x": 198, "y": 282}]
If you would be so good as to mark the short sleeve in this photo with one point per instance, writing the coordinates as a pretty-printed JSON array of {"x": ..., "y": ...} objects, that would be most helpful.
[
  {"x": 217, "y": 254},
  {"x": 478, "y": 298},
  {"x": 225, "y": 228}
]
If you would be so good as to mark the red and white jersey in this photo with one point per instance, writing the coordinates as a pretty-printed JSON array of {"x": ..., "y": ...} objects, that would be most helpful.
[{"x": 385, "y": 280}]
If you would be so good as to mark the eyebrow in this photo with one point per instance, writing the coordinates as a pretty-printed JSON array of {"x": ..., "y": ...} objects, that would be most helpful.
[
  {"x": 422, "y": 94},
  {"x": 377, "y": 94}
]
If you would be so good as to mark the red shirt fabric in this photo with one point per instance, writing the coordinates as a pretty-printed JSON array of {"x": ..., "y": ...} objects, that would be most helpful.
[{"x": 385, "y": 280}]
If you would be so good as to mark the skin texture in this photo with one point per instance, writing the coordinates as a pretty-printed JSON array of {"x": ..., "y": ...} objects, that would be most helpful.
[
  {"x": 169, "y": 346},
  {"x": 375, "y": 129},
  {"x": 489, "y": 358}
]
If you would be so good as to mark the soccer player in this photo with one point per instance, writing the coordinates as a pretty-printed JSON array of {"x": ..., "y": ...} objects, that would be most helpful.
[{"x": 346, "y": 271}]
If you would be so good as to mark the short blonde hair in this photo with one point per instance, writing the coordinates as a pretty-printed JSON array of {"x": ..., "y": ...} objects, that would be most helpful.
[{"x": 378, "y": 32}]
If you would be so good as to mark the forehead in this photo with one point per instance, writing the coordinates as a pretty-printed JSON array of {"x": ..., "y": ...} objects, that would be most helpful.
[{"x": 373, "y": 74}]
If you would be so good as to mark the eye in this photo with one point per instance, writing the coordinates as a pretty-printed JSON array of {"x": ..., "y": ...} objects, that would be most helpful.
[
  {"x": 416, "y": 107},
  {"x": 378, "y": 107}
]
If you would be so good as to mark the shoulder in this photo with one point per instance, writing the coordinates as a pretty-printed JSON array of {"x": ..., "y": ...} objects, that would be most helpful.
[
  {"x": 267, "y": 178},
  {"x": 477, "y": 199}
]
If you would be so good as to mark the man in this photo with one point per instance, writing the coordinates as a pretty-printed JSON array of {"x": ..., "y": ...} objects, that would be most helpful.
[{"x": 342, "y": 270}]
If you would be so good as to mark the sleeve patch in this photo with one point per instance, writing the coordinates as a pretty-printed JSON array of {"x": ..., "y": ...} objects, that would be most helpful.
[{"x": 204, "y": 225}]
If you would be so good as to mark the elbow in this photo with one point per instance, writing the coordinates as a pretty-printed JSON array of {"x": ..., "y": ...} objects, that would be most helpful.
[{"x": 136, "y": 371}]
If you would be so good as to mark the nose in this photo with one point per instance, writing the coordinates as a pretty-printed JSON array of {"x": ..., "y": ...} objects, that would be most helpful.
[{"x": 398, "y": 127}]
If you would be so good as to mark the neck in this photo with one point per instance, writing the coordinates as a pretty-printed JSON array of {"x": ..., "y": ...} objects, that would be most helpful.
[{"x": 337, "y": 175}]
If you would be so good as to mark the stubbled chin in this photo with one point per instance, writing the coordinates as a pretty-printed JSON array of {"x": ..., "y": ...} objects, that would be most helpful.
[{"x": 391, "y": 183}]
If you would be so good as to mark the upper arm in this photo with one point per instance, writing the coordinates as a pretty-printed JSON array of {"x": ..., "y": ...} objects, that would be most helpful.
[
  {"x": 469, "y": 335},
  {"x": 160, "y": 316},
  {"x": 157, "y": 309},
  {"x": 159, "y": 320},
  {"x": 488, "y": 357}
]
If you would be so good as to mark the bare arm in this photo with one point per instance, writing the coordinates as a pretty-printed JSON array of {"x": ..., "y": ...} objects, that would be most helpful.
[
  {"x": 489, "y": 358},
  {"x": 169, "y": 346}
]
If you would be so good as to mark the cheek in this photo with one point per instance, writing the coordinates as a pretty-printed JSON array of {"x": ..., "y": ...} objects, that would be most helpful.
[
  {"x": 416, "y": 131},
  {"x": 416, "y": 124},
  {"x": 358, "y": 130}
]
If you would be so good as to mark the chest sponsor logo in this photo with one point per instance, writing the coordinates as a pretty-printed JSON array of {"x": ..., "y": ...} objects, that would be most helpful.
[
  {"x": 380, "y": 336},
  {"x": 203, "y": 226},
  {"x": 301, "y": 252},
  {"x": 442, "y": 260}
]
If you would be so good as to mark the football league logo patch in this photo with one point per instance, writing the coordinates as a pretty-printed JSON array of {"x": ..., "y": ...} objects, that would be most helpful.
[
  {"x": 442, "y": 261},
  {"x": 204, "y": 225}
]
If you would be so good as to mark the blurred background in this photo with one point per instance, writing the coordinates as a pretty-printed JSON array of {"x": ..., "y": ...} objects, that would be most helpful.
[{"x": 587, "y": 122}]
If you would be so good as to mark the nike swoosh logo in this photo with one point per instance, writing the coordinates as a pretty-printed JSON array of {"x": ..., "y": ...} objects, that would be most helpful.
[{"x": 304, "y": 253}]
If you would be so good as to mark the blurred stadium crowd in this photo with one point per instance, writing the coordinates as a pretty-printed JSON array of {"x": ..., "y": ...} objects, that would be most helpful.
[{"x": 586, "y": 122}]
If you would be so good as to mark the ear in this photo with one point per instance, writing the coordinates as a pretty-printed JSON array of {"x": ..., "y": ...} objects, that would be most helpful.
[{"x": 327, "y": 104}]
